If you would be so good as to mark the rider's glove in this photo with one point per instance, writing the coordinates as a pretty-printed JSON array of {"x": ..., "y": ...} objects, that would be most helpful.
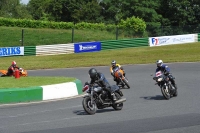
[{"x": 166, "y": 73}]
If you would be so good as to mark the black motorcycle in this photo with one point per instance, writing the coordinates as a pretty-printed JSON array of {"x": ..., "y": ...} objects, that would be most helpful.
[
  {"x": 97, "y": 97},
  {"x": 167, "y": 88}
]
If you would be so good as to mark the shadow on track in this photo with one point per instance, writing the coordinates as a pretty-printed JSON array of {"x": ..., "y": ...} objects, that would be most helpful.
[
  {"x": 82, "y": 112},
  {"x": 157, "y": 97}
]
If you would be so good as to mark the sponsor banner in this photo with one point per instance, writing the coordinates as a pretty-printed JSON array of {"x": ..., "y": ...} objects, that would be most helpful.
[
  {"x": 11, "y": 51},
  {"x": 168, "y": 40},
  {"x": 87, "y": 47}
]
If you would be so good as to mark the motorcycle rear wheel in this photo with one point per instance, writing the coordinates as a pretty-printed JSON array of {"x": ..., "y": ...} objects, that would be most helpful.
[
  {"x": 118, "y": 106},
  {"x": 88, "y": 107},
  {"x": 165, "y": 92}
]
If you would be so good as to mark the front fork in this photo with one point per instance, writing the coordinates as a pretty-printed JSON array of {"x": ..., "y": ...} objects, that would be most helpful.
[{"x": 91, "y": 97}]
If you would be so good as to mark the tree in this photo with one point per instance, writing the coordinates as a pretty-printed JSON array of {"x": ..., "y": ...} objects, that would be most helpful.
[
  {"x": 39, "y": 9},
  {"x": 13, "y": 9}
]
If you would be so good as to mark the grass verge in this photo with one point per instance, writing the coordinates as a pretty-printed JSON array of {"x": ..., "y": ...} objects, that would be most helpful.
[
  {"x": 144, "y": 55},
  {"x": 22, "y": 82},
  {"x": 11, "y": 36}
]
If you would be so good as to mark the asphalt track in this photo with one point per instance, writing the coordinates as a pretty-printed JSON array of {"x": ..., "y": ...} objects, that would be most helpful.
[{"x": 145, "y": 111}]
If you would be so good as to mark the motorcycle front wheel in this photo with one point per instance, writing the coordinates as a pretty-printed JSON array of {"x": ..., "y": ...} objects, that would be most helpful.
[
  {"x": 126, "y": 82},
  {"x": 176, "y": 92},
  {"x": 118, "y": 106},
  {"x": 88, "y": 106},
  {"x": 165, "y": 92}
]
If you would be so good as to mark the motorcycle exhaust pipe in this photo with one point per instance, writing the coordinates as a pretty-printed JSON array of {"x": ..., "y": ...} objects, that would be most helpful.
[{"x": 120, "y": 100}]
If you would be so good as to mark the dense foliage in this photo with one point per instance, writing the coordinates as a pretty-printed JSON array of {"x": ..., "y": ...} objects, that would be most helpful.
[{"x": 155, "y": 13}]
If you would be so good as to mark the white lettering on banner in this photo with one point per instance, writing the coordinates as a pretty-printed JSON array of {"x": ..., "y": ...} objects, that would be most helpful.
[
  {"x": 169, "y": 40},
  {"x": 87, "y": 47},
  {"x": 9, "y": 51}
]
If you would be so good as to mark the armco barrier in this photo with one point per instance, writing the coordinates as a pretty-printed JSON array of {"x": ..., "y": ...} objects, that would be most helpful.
[
  {"x": 87, "y": 47},
  {"x": 115, "y": 44},
  {"x": 199, "y": 37},
  {"x": 54, "y": 49},
  {"x": 29, "y": 50},
  {"x": 39, "y": 93}
]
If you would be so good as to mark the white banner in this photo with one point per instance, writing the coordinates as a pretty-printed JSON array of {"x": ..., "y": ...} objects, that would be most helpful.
[
  {"x": 168, "y": 40},
  {"x": 11, "y": 51}
]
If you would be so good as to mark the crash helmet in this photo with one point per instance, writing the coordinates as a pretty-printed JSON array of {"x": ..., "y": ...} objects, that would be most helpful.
[
  {"x": 113, "y": 63},
  {"x": 159, "y": 63},
  {"x": 14, "y": 63},
  {"x": 92, "y": 73}
]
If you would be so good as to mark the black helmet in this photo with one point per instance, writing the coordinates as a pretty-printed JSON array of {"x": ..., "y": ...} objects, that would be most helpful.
[
  {"x": 113, "y": 63},
  {"x": 92, "y": 72}
]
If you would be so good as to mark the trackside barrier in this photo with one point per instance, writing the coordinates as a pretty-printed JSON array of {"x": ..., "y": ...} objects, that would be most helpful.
[
  {"x": 11, "y": 51},
  {"x": 169, "y": 40},
  {"x": 87, "y": 47},
  {"x": 54, "y": 49},
  {"x": 29, "y": 50},
  {"x": 97, "y": 46},
  {"x": 125, "y": 43},
  {"x": 39, "y": 93}
]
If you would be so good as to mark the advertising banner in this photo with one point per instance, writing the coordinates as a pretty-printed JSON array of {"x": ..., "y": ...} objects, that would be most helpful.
[
  {"x": 87, "y": 47},
  {"x": 11, "y": 51},
  {"x": 169, "y": 40}
]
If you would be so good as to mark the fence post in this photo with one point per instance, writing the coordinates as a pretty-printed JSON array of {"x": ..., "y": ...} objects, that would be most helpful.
[
  {"x": 22, "y": 37},
  {"x": 116, "y": 33},
  {"x": 73, "y": 35}
]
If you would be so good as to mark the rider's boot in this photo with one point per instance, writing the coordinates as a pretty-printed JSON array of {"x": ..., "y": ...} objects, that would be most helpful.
[
  {"x": 113, "y": 97},
  {"x": 124, "y": 74},
  {"x": 117, "y": 100}
]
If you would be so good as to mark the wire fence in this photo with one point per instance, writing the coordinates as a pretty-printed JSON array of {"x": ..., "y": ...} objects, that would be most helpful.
[{"x": 12, "y": 36}]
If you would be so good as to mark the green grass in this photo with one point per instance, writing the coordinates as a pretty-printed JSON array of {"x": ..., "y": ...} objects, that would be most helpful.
[
  {"x": 171, "y": 53},
  {"x": 22, "y": 82},
  {"x": 11, "y": 36}
]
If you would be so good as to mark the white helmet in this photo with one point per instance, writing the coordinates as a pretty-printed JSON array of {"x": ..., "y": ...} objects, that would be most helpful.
[
  {"x": 113, "y": 63},
  {"x": 159, "y": 63}
]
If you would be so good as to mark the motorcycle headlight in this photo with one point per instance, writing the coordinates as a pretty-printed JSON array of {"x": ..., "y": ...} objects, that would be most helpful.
[{"x": 160, "y": 79}]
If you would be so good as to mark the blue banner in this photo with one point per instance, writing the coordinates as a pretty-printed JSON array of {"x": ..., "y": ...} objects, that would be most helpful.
[
  {"x": 11, "y": 51},
  {"x": 87, "y": 47}
]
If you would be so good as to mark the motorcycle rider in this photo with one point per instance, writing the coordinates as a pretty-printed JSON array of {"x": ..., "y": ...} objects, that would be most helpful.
[
  {"x": 12, "y": 68},
  {"x": 166, "y": 70},
  {"x": 99, "y": 78},
  {"x": 113, "y": 66}
]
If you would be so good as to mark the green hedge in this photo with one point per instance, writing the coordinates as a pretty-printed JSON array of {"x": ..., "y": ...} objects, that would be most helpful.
[{"x": 133, "y": 23}]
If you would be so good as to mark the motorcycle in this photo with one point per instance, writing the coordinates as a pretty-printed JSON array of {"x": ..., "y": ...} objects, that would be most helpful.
[
  {"x": 22, "y": 72},
  {"x": 97, "y": 97},
  {"x": 168, "y": 90},
  {"x": 121, "y": 79}
]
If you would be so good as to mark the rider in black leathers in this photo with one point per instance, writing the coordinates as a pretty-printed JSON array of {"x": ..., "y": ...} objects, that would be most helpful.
[
  {"x": 166, "y": 70},
  {"x": 99, "y": 78}
]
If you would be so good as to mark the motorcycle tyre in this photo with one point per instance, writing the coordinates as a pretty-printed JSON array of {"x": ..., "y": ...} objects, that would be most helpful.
[
  {"x": 176, "y": 92},
  {"x": 86, "y": 108},
  {"x": 165, "y": 95},
  {"x": 126, "y": 83},
  {"x": 118, "y": 106}
]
